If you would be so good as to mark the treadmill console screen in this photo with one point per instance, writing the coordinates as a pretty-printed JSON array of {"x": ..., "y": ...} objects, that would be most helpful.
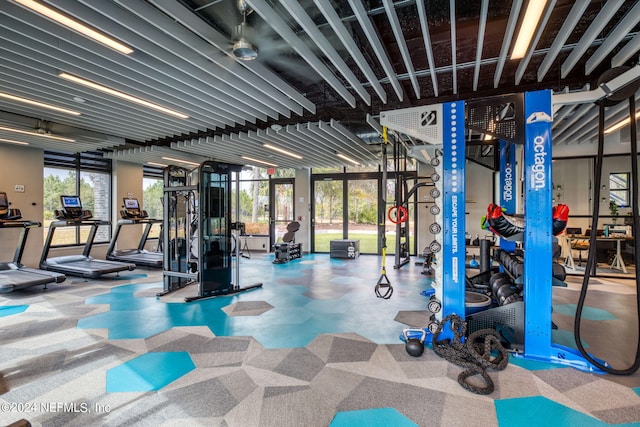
[
  {"x": 132, "y": 208},
  {"x": 72, "y": 206},
  {"x": 131, "y": 204}
]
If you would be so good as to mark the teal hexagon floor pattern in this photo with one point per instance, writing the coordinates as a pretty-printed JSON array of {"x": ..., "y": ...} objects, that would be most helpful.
[{"x": 303, "y": 306}]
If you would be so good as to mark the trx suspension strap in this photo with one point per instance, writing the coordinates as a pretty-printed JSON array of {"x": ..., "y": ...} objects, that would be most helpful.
[
  {"x": 383, "y": 287},
  {"x": 591, "y": 259}
]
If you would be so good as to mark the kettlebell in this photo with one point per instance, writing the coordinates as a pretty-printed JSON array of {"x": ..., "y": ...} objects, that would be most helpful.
[
  {"x": 414, "y": 346},
  {"x": 474, "y": 262}
]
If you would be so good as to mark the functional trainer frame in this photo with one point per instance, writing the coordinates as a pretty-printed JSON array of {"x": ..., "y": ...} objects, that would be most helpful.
[
  {"x": 523, "y": 118},
  {"x": 197, "y": 232}
]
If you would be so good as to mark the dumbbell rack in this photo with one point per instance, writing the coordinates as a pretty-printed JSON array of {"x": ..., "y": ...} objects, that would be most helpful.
[{"x": 285, "y": 252}]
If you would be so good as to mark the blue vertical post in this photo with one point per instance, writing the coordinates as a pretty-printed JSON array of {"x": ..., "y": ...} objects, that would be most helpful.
[
  {"x": 508, "y": 185},
  {"x": 538, "y": 233},
  {"x": 453, "y": 249}
]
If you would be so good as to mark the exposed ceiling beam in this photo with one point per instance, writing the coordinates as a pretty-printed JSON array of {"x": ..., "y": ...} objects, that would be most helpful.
[
  {"x": 566, "y": 30},
  {"x": 597, "y": 25},
  {"x": 402, "y": 45},
  {"x": 506, "y": 41},
  {"x": 454, "y": 50},
  {"x": 625, "y": 26},
  {"x": 376, "y": 45},
  {"x": 481, "y": 35},
  {"x": 631, "y": 48},
  {"x": 524, "y": 62},
  {"x": 280, "y": 26},
  {"x": 209, "y": 59},
  {"x": 427, "y": 45},
  {"x": 303, "y": 19},
  {"x": 348, "y": 42}
]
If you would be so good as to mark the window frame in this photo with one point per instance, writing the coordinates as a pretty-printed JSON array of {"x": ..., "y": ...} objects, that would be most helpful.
[{"x": 83, "y": 163}]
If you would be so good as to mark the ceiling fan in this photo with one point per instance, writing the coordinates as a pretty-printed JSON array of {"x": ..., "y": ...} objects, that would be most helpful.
[{"x": 242, "y": 48}]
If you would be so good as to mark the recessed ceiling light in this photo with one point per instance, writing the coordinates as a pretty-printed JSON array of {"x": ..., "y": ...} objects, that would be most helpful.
[
  {"x": 75, "y": 25},
  {"x": 347, "y": 158},
  {"x": 38, "y": 104},
  {"x": 121, "y": 95},
  {"x": 37, "y": 133},
  {"x": 251, "y": 159},
  {"x": 79, "y": 100},
  {"x": 282, "y": 150},
  {"x": 13, "y": 141},
  {"x": 186, "y": 162},
  {"x": 532, "y": 16}
]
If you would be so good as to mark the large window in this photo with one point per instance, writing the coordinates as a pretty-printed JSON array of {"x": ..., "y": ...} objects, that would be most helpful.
[
  {"x": 85, "y": 174},
  {"x": 152, "y": 192},
  {"x": 619, "y": 189},
  {"x": 254, "y": 198}
]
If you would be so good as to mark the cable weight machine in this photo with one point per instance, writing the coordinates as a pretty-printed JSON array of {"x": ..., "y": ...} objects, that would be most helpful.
[{"x": 198, "y": 231}]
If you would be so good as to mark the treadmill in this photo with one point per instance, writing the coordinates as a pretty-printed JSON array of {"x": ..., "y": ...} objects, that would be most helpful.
[
  {"x": 72, "y": 215},
  {"x": 14, "y": 275},
  {"x": 133, "y": 215}
]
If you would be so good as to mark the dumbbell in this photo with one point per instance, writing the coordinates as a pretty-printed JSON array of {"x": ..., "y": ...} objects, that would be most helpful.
[
  {"x": 498, "y": 280},
  {"x": 506, "y": 292}
]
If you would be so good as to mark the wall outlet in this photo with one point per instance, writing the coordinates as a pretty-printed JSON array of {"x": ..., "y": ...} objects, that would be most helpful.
[{"x": 19, "y": 188}]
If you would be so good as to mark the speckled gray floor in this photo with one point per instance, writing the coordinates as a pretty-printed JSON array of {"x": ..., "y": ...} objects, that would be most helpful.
[{"x": 238, "y": 381}]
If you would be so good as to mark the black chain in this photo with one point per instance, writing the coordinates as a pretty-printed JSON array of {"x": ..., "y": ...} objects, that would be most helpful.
[{"x": 475, "y": 354}]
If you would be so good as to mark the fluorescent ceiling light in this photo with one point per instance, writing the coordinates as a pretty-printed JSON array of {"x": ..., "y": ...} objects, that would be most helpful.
[
  {"x": 157, "y": 164},
  {"x": 122, "y": 95},
  {"x": 528, "y": 27},
  {"x": 38, "y": 104},
  {"x": 75, "y": 25},
  {"x": 620, "y": 124},
  {"x": 281, "y": 150},
  {"x": 36, "y": 133},
  {"x": 171, "y": 159},
  {"x": 259, "y": 161},
  {"x": 348, "y": 159},
  {"x": 13, "y": 141}
]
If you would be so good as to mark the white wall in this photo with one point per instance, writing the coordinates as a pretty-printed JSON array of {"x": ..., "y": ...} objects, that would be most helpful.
[
  {"x": 575, "y": 177},
  {"x": 23, "y": 166},
  {"x": 302, "y": 207},
  {"x": 127, "y": 182}
]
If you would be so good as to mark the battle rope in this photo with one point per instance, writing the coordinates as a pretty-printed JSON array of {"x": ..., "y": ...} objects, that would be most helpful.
[
  {"x": 476, "y": 354},
  {"x": 591, "y": 258}
]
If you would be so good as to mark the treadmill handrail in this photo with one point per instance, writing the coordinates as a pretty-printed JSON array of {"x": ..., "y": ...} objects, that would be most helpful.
[
  {"x": 19, "y": 224},
  {"x": 93, "y": 223},
  {"x": 148, "y": 222}
]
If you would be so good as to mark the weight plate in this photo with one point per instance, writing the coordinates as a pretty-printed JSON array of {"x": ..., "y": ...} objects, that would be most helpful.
[
  {"x": 434, "y": 306},
  {"x": 435, "y": 193},
  {"x": 435, "y": 228},
  {"x": 433, "y": 326},
  {"x": 435, "y": 209}
]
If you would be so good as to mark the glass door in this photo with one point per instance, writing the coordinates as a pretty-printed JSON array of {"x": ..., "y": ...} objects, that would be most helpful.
[
  {"x": 363, "y": 214},
  {"x": 281, "y": 205},
  {"x": 328, "y": 223}
]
